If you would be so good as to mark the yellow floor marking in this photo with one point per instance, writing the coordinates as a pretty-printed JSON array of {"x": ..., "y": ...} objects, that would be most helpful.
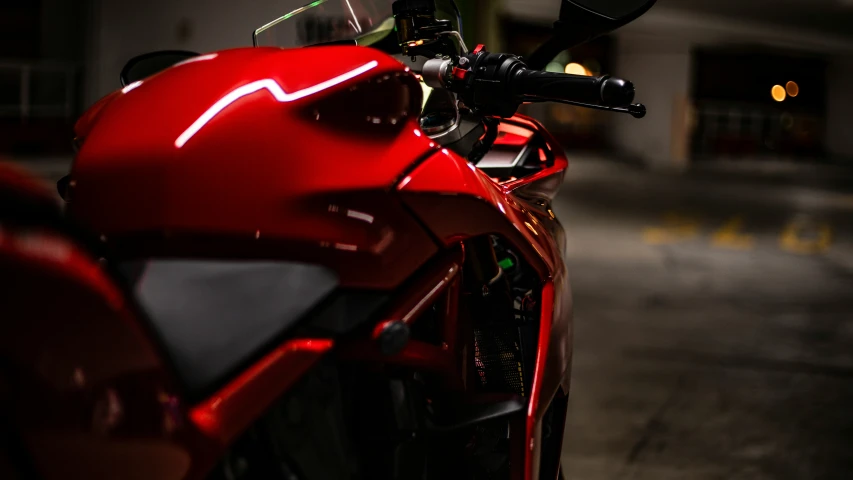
[
  {"x": 676, "y": 228},
  {"x": 792, "y": 239},
  {"x": 729, "y": 236}
]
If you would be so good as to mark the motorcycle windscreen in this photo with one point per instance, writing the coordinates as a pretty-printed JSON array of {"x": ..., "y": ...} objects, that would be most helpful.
[{"x": 212, "y": 317}]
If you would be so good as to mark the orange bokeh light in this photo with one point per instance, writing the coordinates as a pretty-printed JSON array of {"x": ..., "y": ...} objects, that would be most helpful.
[
  {"x": 577, "y": 69},
  {"x": 792, "y": 88},
  {"x": 778, "y": 93}
]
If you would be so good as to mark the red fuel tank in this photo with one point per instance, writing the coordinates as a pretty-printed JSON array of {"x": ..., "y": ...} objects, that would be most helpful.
[{"x": 260, "y": 152}]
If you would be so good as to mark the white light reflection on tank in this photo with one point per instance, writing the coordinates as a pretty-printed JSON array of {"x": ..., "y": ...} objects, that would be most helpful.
[
  {"x": 360, "y": 216},
  {"x": 131, "y": 86},
  {"x": 275, "y": 89}
]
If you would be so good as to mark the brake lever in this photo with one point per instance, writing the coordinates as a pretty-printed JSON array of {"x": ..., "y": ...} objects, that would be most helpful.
[{"x": 636, "y": 110}]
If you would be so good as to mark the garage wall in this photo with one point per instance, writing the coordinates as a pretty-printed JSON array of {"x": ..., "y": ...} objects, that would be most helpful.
[
  {"x": 544, "y": 12},
  {"x": 126, "y": 29},
  {"x": 62, "y": 24},
  {"x": 839, "y": 118},
  {"x": 660, "y": 70}
]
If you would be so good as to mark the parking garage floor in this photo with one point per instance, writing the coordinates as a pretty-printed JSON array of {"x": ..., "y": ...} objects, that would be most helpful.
[{"x": 713, "y": 325}]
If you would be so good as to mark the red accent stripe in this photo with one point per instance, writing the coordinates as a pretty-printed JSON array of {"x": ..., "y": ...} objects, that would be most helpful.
[
  {"x": 531, "y": 461},
  {"x": 233, "y": 409}
]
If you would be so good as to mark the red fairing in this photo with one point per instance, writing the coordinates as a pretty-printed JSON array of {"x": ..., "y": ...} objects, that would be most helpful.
[
  {"x": 87, "y": 121},
  {"x": 458, "y": 201},
  {"x": 267, "y": 145},
  {"x": 547, "y": 181},
  {"x": 234, "y": 408},
  {"x": 446, "y": 181},
  {"x": 93, "y": 391}
]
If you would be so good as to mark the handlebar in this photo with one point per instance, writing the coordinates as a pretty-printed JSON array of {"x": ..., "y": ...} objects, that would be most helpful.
[
  {"x": 605, "y": 91},
  {"x": 497, "y": 83}
]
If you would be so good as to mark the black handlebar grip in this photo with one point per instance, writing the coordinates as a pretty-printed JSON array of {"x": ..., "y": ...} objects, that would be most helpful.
[
  {"x": 606, "y": 91},
  {"x": 616, "y": 92}
]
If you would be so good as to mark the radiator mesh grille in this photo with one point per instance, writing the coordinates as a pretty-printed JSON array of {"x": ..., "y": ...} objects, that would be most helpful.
[{"x": 497, "y": 357}]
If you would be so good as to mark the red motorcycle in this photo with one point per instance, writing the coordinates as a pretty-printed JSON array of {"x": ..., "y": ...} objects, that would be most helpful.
[{"x": 303, "y": 263}]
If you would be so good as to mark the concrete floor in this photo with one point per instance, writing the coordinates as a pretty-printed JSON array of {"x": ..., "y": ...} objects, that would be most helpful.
[{"x": 714, "y": 326}]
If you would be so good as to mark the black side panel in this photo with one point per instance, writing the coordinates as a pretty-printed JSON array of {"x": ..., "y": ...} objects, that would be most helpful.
[
  {"x": 343, "y": 312},
  {"x": 213, "y": 316}
]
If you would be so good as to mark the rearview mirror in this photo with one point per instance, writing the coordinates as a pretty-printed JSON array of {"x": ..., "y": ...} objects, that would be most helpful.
[
  {"x": 148, "y": 64},
  {"x": 618, "y": 11},
  {"x": 583, "y": 20}
]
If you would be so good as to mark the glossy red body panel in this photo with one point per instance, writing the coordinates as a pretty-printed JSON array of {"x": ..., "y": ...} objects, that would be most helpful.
[
  {"x": 546, "y": 182},
  {"x": 447, "y": 183},
  {"x": 86, "y": 122},
  {"x": 511, "y": 135},
  {"x": 239, "y": 404},
  {"x": 458, "y": 201},
  {"x": 261, "y": 168}
]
